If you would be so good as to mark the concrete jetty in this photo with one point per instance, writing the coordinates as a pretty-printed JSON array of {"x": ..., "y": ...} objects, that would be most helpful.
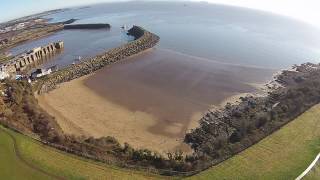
[
  {"x": 23, "y": 60},
  {"x": 87, "y": 26}
]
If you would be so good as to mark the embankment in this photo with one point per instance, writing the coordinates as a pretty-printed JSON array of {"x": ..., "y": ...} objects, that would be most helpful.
[
  {"x": 144, "y": 40},
  {"x": 87, "y": 26}
]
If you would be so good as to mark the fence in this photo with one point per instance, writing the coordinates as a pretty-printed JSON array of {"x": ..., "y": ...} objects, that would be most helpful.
[{"x": 314, "y": 162}]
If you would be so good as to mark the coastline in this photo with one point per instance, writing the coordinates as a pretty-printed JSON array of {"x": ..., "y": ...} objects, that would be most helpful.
[
  {"x": 73, "y": 102},
  {"x": 83, "y": 112},
  {"x": 34, "y": 37},
  {"x": 76, "y": 114},
  {"x": 211, "y": 107}
]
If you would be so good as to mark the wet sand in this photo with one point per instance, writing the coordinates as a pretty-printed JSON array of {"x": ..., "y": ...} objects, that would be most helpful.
[{"x": 149, "y": 100}]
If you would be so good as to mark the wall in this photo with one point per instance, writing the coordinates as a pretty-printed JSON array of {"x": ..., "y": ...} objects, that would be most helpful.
[
  {"x": 87, "y": 26},
  {"x": 23, "y": 60}
]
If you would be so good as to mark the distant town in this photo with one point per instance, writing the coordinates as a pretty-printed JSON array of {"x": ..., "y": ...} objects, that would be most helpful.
[{"x": 20, "y": 30}]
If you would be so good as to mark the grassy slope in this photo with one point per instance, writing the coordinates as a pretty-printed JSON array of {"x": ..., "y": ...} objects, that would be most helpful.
[
  {"x": 55, "y": 162},
  {"x": 283, "y": 155},
  {"x": 10, "y": 166},
  {"x": 314, "y": 173}
]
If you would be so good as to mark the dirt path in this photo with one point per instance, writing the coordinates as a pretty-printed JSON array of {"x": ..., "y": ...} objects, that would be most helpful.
[{"x": 25, "y": 162}]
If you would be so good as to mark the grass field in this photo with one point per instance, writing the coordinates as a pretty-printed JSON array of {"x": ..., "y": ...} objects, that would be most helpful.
[
  {"x": 11, "y": 166},
  {"x": 283, "y": 155},
  {"x": 53, "y": 162}
]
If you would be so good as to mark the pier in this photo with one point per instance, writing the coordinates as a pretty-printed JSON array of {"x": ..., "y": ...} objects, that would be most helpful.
[
  {"x": 87, "y": 26},
  {"x": 21, "y": 61}
]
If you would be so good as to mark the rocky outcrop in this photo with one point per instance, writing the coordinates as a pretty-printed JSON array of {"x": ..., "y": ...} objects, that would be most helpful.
[
  {"x": 144, "y": 40},
  {"x": 136, "y": 31},
  {"x": 226, "y": 132}
]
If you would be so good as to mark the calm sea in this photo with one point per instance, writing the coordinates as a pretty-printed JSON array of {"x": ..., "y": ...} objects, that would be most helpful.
[
  {"x": 216, "y": 32},
  {"x": 220, "y": 33}
]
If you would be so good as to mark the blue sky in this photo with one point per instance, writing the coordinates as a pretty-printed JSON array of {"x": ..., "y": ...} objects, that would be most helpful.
[
  {"x": 10, "y": 9},
  {"x": 305, "y": 10}
]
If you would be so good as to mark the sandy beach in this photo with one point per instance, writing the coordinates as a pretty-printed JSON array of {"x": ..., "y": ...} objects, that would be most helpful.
[
  {"x": 81, "y": 111},
  {"x": 149, "y": 100}
]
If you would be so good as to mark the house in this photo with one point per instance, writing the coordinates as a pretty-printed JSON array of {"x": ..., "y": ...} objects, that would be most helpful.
[
  {"x": 3, "y": 74},
  {"x": 42, "y": 72},
  {"x": 39, "y": 73}
]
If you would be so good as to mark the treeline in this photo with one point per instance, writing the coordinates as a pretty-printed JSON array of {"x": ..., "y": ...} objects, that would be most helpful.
[
  {"x": 21, "y": 111},
  {"x": 225, "y": 133}
]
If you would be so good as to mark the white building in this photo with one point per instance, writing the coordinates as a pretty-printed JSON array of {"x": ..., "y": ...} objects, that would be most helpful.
[
  {"x": 3, "y": 75},
  {"x": 20, "y": 26}
]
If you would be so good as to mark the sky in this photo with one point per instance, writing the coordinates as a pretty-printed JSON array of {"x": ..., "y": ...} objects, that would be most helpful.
[{"x": 305, "y": 10}]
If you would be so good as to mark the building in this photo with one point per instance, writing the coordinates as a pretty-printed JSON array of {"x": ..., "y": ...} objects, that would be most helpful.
[
  {"x": 3, "y": 73},
  {"x": 42, "y": 72},
  {"x": 20, "y": 62}
]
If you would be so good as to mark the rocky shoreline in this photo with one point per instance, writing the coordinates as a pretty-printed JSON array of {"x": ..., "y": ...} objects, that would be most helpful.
[
  {"x": 144, "y": 40},
  {"x": 226, "y": 132}
]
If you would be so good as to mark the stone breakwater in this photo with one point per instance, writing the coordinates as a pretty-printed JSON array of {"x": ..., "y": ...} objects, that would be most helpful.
[
  {"x": 87, "y": 26},
  {"x": 144, "y": 40}
]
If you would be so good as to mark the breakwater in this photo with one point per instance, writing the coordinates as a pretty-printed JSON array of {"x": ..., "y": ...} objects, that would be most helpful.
[
  {"x": 136, "y": 32},
  {"x": 144, "y": 40},
  {"x": 87, "y": 26},
  {"x": 70, "y": 21}
]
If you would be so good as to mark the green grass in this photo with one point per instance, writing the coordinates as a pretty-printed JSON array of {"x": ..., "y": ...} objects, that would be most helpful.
[
  {"x": 54, "y": 162},
  {"x": 11, "y": 166},
  {"x": 283, "y": 155}
]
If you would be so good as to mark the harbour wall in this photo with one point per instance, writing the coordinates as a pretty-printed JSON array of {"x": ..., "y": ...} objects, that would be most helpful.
[
  {"x": 144, "y": 40},
  {"x": 23, "y": 60},
  {"x": 87, "y": 26}
]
